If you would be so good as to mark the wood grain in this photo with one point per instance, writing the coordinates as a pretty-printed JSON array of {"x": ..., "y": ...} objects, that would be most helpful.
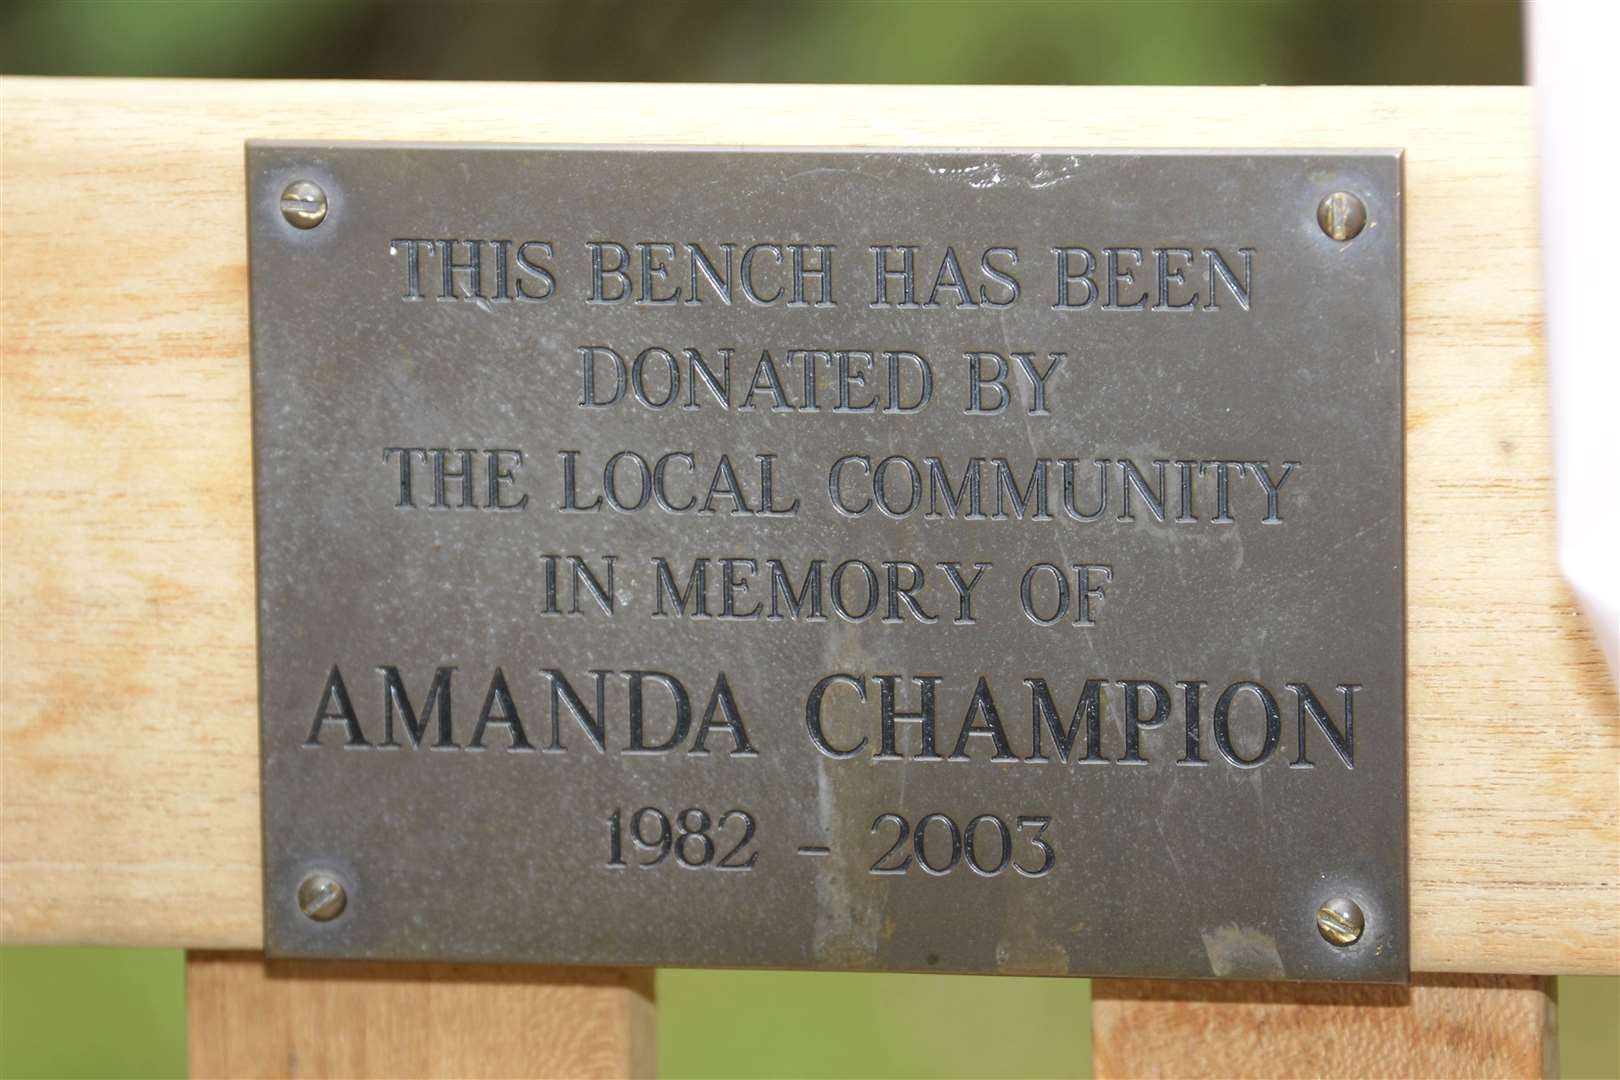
[
  {"x": 130, "y": 802},
  {"x": 1440, "y": 1026},
  {"x": 249, "y": 1018}
]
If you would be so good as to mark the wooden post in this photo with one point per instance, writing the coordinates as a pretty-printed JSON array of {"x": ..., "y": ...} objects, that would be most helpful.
[
  {"x": 250, "y": 1018},
  {"x": 1440, "y": 1026}
]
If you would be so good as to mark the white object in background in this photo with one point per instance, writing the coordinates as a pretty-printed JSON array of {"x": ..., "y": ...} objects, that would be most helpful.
[{"x": 1572, "y": 66}]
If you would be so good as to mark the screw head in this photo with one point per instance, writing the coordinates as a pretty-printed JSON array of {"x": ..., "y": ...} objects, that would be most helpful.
[
  {"x": 303, "y": 204},
  {"x": 1342, "y": 216},
  {"x": 1340, "y": 922},
  {"x": 321, "y": 897}
]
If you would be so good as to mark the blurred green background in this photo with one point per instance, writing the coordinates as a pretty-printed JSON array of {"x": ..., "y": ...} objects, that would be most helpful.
[
  {"x": 121, "y": 1012},
  {"x": 1344, "y": 41}
]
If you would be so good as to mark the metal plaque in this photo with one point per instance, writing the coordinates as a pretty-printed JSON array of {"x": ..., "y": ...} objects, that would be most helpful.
[{"x": 908, "y": 560}]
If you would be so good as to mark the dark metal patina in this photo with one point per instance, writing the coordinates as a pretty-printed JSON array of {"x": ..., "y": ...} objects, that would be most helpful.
[{"x": 430, "y": 650}]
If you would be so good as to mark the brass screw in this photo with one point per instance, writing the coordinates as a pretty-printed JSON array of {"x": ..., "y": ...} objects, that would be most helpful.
[
  {"x": 1340, "y": 922},
  {"x": 321, "y": 897},
  {"x": 303, "y": 204},
  {"x": 1342, "y": 216}
]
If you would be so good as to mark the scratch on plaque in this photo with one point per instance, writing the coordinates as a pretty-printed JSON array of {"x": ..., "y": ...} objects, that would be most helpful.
[
  {"x": 1029, "y": 957},
  {"x": 1169, "y": 848},
  {"x": 989, "y": 174},
  {"x": 984, "y": 174},
  {"x": 1046, "y": 177},
  {"x": 1034, "y": 446},
  {"x": 850, "y": 903},
  {"x": 1242, "y": 952},
  {"x": 821, "y": 171},
  {"x": 1023, "y": 948}
]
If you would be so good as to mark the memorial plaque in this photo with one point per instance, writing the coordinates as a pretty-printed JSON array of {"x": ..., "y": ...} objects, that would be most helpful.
[{"x": 919, "y": 560}]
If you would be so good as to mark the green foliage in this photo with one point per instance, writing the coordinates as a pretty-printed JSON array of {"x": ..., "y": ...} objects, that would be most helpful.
[
  {"x": 92, "y": 1012},
  {"x": 846, "y": 41},
  {"x": 763, "y": 1024}
]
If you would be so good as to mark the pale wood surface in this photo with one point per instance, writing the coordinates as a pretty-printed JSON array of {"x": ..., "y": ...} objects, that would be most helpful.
[
  {"x": 130, "y": 805},
  {"x": 1440, "y": 1026},
  {"x": 247, "y": 1018}
]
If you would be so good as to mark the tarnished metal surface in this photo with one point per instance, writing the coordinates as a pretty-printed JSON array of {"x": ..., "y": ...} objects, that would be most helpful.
[{"x": 489, "y": 753}]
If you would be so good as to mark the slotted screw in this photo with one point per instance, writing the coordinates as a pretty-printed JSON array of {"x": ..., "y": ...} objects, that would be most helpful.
[
  {"x": 1342, "y": 216},
  {"x": 303, "y": 204},
  {"x": 1340, "y": 922},
  {"x": 321, "y": 897}
]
